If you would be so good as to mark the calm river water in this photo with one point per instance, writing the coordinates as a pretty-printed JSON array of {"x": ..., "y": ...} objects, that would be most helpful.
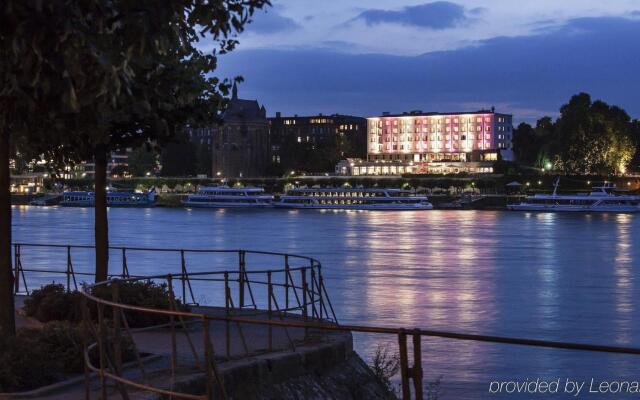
[{"x": 565, "y": 277}]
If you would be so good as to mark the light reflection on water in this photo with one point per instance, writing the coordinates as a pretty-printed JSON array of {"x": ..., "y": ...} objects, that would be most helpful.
[{"x": 551, "y": 276}]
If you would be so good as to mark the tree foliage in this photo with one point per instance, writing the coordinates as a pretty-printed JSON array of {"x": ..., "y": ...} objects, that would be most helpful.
[
  {"x": 589, "y": 137},
  {"x": 81, "y": 78}
]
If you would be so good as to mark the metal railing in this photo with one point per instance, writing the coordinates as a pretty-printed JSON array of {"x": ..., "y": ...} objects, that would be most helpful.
[
  {"x": 310, "y": 312},
  {"x": 300, "y": 277}
]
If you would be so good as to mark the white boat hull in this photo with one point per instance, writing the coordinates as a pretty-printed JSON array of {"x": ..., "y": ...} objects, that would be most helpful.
[
  {"x": 382, "y": 207},
  {"x": 225, "y": 205},
  {"x": 575, "y": 208}
]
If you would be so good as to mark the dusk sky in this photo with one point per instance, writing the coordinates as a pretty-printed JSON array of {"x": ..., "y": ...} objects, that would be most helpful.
[{"x": 365, "y": 57}]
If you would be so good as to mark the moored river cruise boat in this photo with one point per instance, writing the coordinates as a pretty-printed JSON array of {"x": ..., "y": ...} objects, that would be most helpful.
[
  {"x": 226, "y": 197},
  {"x": 601, "y": 199},
  {"x": 353, "y": 199},
  {"x": 115, "y": 198}
]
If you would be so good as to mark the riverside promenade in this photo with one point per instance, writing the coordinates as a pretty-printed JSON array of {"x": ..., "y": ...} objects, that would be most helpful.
[
  {"x": 249, "y": 340},
  {"x": 316, "y": 364}
]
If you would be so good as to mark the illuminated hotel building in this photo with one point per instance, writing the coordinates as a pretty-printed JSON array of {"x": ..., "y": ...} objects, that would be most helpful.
[{"x": 435, "y": 143}]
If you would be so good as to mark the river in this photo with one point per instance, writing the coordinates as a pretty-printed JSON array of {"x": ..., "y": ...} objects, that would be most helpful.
[{"x": 564, "y": 277}]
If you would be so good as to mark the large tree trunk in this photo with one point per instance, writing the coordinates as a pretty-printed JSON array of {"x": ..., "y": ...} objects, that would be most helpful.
[
  {"x": 101, "y": 224},
  {"x": 7, "y": 316}
]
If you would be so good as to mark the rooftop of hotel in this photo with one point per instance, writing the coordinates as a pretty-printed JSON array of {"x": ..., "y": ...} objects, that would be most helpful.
[{"x": 420, "y": 113}]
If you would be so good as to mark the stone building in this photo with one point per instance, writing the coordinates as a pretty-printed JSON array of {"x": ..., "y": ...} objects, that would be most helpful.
[
  {"x": 240, "y": 146},
  {"x": 297, "y": 140}
]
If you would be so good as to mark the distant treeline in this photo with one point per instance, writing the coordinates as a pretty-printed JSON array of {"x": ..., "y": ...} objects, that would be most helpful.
[{"x": 589, "y": 137}]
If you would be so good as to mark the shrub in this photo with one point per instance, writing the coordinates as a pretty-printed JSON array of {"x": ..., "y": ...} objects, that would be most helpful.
[
  {"x": 385, "y": 365},
  {"x": 53, "y": 303},
  {"x": 144, "y": 294},
  {"x": 38, "y": 357}
]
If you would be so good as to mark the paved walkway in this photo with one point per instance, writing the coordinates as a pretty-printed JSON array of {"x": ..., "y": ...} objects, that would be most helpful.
[{"x": 243, "y": 340}]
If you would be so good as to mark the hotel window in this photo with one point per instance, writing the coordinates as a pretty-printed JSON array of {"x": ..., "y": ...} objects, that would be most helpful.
[
  {"x": 478, "y": 128},
  {"x": 464, "y": 128},
  {"x": 487, "y": 128},
  {"x": 455, "y": 129},
  {"x": 448, "y": 129},
  {"x": 487, "y": 119},
  {"x": 455, "y": 137},
  {"x": 448, "y": 137},
  {"x": 455, "y": 120},
  {"x": 487, "y": 136},
  {"x": 479, "y": 119},
  {"x": 463, "y": 137},
  {"x": 448, "y": 121}
]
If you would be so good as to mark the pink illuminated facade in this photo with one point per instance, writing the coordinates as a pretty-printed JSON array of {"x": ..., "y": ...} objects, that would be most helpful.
[{"x": 425, "y": 138}]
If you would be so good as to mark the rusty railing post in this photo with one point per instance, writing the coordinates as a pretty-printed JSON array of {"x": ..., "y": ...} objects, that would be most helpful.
[
  {"x": 241, "y": 266},
  {"x": 85, "y": 347},
  {"x": 125, "y": 269},
  {"x": 208, "y": 359},
  {"x": 68, "y": 271},
  {"x": 174, "y": 346},
  {"x": 101, "y": 350},
  {"x": 16, "y": 268},
  {"x": 227, "y": 295},
  {"x": 312, "y": 295},
  {"x": 305, "y": 313},
  {"x": 117, "y": 344},
  {"x": 319, "y": 285},
  {"x": 417, "y": 365},
  {"x": 183, "y": 269},
  {"x": 270, "y": 295},
  {"x": 404, "y": 365},
  {"x": 286, "y": 281}
]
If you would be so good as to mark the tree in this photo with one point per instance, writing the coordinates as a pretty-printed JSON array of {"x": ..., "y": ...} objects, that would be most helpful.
[
  {"x": 168, "y": 83},
  {"x": 179, "y": 158},
  {"x": 526, "y": 145},
  {"x": 142, "y": 160},
  {"x": 594, "y": 138},
  {"x": 204, "y": 159},
  {"x": 80, "y": 79}
]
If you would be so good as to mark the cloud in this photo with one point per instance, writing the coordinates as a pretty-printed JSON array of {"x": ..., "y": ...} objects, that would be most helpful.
[
  {"x": 523, "y": 75},
  {"x": 270, "y": 21},
  {"x": 438, "y": 15}
]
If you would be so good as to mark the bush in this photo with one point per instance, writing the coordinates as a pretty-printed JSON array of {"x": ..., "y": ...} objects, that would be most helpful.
[
  {"x": 385, "y": 365},
  {"x": 37, "y": 357},
  {"x": 53, "y": 303},
  {"x": 143, "y": 294}
]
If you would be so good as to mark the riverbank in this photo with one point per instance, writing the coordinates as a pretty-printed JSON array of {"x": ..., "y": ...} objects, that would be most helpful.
[{"x": 439, "y": 201}]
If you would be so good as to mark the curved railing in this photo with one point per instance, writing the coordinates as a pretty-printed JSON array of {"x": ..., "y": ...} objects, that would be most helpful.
[
  {"x": 306, "y": 310},
  {"x": 298, "y": 276}
]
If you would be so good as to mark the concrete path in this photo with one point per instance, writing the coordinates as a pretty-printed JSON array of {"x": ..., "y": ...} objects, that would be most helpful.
[{"x": 243, "y": 340}]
